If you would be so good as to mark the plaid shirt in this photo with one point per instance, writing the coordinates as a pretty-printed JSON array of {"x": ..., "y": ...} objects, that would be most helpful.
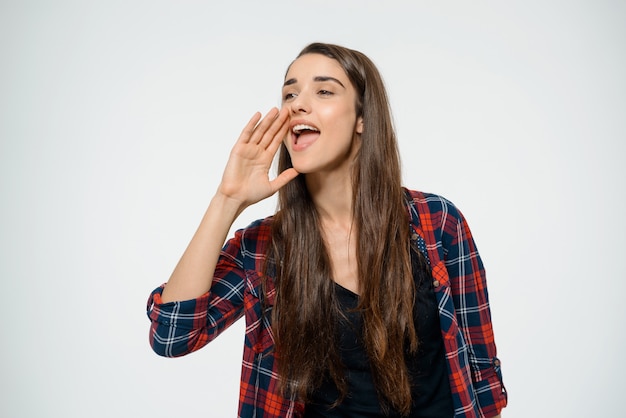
[{"x": 440, "y": 232}]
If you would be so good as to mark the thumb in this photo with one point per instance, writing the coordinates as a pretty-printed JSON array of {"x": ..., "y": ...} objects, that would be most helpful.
[{"x": 283, "y": 178}]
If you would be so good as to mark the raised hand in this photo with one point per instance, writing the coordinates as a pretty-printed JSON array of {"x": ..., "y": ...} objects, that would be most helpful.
[
  {"x": 245, "y": 181},
  {"x": 246, "y": 176}
]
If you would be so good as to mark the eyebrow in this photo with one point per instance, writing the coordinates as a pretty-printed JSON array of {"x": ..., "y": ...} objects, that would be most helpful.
[{"x": 319, "y": 79}]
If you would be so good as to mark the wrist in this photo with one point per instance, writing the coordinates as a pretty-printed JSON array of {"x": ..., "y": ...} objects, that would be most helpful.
[{"x": 226, "y": 205}]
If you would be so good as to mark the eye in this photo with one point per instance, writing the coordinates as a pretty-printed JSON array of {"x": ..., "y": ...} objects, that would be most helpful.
[
  {"x": 325, "y": 93},
  {"x": 288, "y": 96}
]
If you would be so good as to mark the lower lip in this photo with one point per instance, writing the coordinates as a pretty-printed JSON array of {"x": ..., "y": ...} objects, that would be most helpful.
[{"x": 301, "y": 146}]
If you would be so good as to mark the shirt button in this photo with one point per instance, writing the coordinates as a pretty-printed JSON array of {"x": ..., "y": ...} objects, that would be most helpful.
[
  {"x": 436, "y": 283},
  {"x": 414, "y": 237}
]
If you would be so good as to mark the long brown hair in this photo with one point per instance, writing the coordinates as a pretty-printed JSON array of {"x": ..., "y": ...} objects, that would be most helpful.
[{"x": 305, "y": 312}]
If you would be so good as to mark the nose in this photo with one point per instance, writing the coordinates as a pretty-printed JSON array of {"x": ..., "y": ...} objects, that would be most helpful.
[{"x": 300, "y": 104}]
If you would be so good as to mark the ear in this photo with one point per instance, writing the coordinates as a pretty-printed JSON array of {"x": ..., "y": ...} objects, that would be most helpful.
[{"x": 359, "y": 125}]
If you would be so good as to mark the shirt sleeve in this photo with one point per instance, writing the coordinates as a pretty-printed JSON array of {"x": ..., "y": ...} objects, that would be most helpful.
[
  {"x": 179, "y": 328},
  {"x": 469, "y": 290}
]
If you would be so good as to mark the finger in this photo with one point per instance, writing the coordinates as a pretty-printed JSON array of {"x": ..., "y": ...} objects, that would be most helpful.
[
  {"x": 247, "y": 131},
  {"x": 262, "y": 127},
  {"x": 279, "y": 124},
  {"x": 278, "y": 138},
  {"x": 283, "y": 178}
]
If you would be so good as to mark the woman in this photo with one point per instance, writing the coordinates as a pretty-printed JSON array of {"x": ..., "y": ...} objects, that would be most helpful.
[{"x": 361, "y": 298}]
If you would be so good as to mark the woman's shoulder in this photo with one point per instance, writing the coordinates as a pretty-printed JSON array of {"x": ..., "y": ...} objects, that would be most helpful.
[
  {"x": 250, "y": 241},
  {"x": 259, "y": 229},
  {"x": 432, "y": 203}
]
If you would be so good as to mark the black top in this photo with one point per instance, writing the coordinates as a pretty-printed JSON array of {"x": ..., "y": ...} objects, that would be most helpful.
[{"x": 427, "y": 368}]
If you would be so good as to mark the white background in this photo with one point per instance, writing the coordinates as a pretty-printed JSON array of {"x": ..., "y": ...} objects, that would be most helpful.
[{"x": 116, "y": 118}]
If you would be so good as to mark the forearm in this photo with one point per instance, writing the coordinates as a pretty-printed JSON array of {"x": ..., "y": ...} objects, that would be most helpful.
[{"x": 193, "y": 274}]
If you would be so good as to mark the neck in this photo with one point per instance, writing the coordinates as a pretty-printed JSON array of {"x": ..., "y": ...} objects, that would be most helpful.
[{"x": 332, "y": 196}]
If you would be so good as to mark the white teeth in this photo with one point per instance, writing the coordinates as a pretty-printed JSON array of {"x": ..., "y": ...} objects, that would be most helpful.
[{"x": 299, "y": 128}]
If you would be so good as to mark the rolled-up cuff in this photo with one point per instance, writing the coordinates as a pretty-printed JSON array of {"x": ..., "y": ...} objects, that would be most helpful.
[{"x": 490, "y": 391}]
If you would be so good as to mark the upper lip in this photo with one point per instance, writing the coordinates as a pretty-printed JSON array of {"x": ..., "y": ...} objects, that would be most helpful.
[{"x": 298, "y": 125}]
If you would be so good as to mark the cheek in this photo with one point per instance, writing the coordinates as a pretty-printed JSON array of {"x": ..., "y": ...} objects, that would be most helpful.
[{"x": 342, "y": 118}]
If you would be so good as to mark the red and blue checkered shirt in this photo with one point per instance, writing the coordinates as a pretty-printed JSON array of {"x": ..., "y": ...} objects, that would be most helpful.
[{"x": 440, "y": 232}]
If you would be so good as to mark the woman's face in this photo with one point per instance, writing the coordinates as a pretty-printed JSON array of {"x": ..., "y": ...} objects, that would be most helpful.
[{"x": 324, "y": 131}]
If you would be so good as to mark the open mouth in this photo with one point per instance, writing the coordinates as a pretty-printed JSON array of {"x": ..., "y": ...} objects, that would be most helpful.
[{"x": 304, "y": 131}]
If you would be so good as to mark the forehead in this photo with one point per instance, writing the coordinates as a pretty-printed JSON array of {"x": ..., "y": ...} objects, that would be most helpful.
[{"x": 310, "y": 66}]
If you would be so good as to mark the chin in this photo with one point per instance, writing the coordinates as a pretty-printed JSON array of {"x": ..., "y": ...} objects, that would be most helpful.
[
  {"x": 298, "y": 162},
  {"x": 303, "y": 168}
]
